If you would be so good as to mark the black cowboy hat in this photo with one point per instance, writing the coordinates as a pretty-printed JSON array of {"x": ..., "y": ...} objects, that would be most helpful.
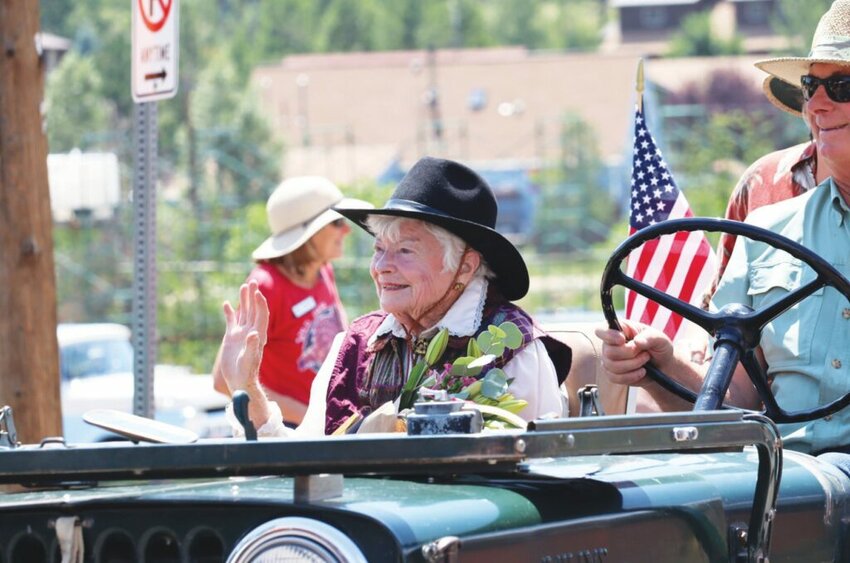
[{"x": 451, "y": 196}]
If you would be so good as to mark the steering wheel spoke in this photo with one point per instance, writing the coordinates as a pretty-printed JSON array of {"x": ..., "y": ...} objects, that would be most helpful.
[
  {"x": 686, "y": 310},
  {"x": 764, "y": 316}
]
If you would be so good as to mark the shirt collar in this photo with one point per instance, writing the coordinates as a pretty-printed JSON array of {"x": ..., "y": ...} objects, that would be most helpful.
[
  {"x": 462, "y": 319},
  {"x": 839, "y": 206}
]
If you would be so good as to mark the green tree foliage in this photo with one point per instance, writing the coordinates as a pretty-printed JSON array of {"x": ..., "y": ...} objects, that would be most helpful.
[
  {"x": 347, "y": 26},
  {"x": 697, "y": 39},
  {"x": 73, "y": 98},
  {"x": 271, "y": 29},
  {"x": 562, "y": 24},
  {"x": 718, "y": 127},
  {"x": 518, "y": 23},
  {"x": 715, "y": 154},
  {"x": 574, "y": 211}
]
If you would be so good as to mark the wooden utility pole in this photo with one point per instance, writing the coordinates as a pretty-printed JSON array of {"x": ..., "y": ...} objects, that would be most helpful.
[{"x": 29, "y": 362}]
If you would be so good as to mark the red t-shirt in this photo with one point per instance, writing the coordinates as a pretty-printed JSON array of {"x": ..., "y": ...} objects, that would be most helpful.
[{"x": 302, "y": 326}]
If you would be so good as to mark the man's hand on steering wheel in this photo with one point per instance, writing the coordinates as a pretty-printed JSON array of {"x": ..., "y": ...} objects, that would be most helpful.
[
  {"x": 625, "y": 353},
  {"x": 736, "y": 328}
]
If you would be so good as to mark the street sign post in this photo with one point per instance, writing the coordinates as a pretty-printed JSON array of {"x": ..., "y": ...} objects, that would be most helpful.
[
  {"x": 155, "y": 49},
  {"x": 154, "y": 77}
]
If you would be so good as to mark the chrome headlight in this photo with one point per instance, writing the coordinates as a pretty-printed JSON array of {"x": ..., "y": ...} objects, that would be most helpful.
[{"x": 296, "y": 539}]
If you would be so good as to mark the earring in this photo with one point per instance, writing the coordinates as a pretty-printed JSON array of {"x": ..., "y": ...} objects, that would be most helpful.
[{"x": 458, "y": 286}]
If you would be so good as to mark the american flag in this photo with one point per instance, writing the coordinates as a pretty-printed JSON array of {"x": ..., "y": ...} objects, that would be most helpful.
[{"x": 680, "y": 264}]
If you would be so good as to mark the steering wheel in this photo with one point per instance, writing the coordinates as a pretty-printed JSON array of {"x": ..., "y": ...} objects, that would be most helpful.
[{"x": 736, "y": 328}]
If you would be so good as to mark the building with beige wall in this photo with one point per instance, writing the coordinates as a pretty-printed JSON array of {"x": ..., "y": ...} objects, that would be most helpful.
[{"x": 352, "y": 116}]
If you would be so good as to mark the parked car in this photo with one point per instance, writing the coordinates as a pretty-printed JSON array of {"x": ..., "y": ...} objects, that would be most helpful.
[
  {"x": 96, "y": 370},
  {"x": 710, "y": 485}
]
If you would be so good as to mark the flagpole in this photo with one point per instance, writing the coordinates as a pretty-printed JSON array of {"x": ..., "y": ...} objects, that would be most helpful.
[{"x": 640, "y": 85}]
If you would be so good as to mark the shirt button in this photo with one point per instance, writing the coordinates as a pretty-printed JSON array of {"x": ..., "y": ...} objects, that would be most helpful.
[
  {"x": 828, "y": 417},
  {"x": 846, "y": 313},
  {"x": 836, "y": 363}
]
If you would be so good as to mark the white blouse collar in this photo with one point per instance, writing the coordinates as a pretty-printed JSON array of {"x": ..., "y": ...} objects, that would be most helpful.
[{"x": 462, "y": 319}]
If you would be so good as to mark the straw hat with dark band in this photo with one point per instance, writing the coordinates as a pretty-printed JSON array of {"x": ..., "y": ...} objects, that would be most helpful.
[{"x": 830, "y": 44}]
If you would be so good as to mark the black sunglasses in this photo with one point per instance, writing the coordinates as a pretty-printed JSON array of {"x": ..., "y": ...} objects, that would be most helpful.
[{"x": 837, "y": 87}]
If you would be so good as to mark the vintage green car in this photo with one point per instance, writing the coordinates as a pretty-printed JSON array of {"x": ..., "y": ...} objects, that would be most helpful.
[{"x": 708, "y": 485}]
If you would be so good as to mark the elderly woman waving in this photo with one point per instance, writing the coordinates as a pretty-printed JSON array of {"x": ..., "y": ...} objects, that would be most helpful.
[{"x": 438, "y": 263}]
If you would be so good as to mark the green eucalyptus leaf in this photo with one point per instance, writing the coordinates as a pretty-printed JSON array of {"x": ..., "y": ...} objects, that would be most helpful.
[
  {"x": 513, "y": 336},
  {"x": 497, "y": 332},
  {"x": 493, "y": 389},
  {"x": 485, "y": 340},
  {"x": 497, "y": 349},
  {"x": 462, "y": 394},
  {"x": 459, "y": 365},
  {"x": 494, "y": 384},
  {"x": 497, "y": 375},
  {"x": 473, "y": 370}
]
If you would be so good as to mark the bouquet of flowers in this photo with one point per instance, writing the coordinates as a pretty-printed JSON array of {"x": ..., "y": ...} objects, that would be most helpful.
[{"x": 465, "y": 378}]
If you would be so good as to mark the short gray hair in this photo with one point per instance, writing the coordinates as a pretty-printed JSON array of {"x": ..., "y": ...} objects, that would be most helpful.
[{"x": 388, "y": 227}]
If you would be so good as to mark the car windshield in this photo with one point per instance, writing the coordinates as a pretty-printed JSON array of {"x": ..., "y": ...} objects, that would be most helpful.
[{"x": 99, "y": 357}]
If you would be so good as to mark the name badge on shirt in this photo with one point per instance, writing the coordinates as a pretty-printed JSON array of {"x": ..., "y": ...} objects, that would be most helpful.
[{"x": 303, "y": 307}]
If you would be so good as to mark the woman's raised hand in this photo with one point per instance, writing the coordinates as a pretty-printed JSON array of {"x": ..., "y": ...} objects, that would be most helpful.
[{"x": 244, "y": 338}]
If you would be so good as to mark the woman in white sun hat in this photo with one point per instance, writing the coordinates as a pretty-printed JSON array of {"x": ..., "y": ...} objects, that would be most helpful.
[{"x": 295, "y": 275}]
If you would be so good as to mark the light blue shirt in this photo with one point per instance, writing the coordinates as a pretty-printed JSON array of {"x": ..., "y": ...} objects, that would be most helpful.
[{"x": 807, "y": 348}]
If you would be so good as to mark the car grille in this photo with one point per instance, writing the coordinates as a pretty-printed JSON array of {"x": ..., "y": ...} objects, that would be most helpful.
[{"x": 151, "y": 532}]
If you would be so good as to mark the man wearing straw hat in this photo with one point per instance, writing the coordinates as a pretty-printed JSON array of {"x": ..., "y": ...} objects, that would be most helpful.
[{"x": 807, "y": 349}]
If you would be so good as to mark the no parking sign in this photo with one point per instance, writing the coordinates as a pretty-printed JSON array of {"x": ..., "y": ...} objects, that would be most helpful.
[{"x": 155, "y": 49}]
